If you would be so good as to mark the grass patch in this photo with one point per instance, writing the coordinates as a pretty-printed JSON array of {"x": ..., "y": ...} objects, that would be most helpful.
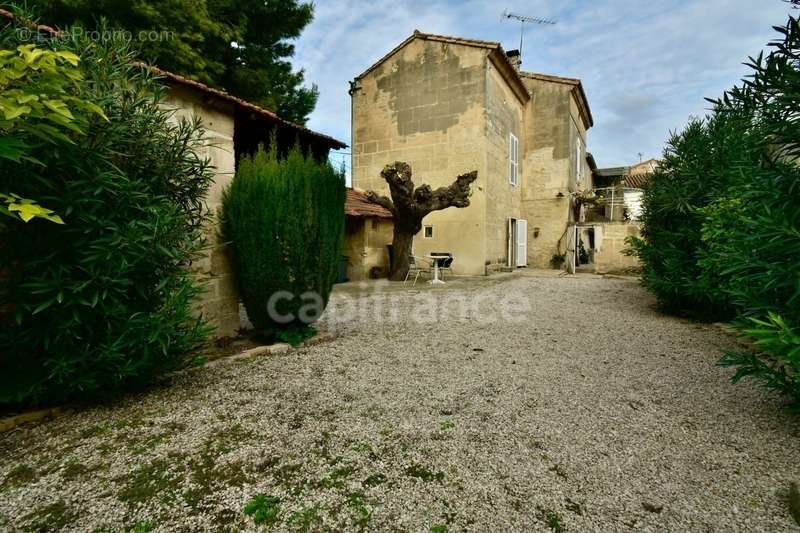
[
  {"x": 53, "y": 517},
  {"x": 362, "y": 514},
  {"x": 150, "y": 481},
  {"x": 336, "y": 478},
  {"x": 18, "y": 476},
  {"x": 420, "y": 472},
  {"x": 307, "y": 518},
  {"x": 73, "y": 470}
]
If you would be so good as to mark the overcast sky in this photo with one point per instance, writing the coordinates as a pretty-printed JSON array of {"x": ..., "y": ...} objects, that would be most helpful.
[{"x": 646, "y": 66}]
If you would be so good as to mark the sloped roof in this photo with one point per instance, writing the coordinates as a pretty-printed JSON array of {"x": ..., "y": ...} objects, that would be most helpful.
[
  {"x": 497, "y": 54},
  {"x": 580, "y": 94},
  {"x": 215, "y": 93},
  {"x": 635, "y": 181},
  {"x": 242, "y": 104},
  {"x": 358, "y": 205}
]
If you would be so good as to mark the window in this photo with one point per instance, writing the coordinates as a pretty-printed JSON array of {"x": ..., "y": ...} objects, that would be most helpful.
[
  {"x": 428, "y": 232},
  {"x": 579, "y": 159},
  {"x": 513, "y": 159}
]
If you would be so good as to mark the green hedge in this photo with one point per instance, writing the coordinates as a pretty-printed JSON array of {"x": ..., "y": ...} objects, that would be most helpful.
[
  {"x": 285, "y": 220},
  {"x": 721, "y": 223},
  {"x": 105, "y": 301}
]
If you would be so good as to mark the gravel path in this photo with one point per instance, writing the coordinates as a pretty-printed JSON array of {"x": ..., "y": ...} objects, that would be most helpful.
[{"x": 587, "y": 412}]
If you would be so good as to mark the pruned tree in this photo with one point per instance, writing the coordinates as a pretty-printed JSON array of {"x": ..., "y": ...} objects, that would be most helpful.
[{"x": 410, "y": 205}]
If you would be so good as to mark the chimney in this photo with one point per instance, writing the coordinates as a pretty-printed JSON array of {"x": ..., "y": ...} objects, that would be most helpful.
[{"x": 514, "y": 58}]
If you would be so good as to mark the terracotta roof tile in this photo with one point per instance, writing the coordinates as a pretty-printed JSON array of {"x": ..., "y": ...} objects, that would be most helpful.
[
  {"x": 222, "y": 95},
  {"x": 358, "y": 205}
]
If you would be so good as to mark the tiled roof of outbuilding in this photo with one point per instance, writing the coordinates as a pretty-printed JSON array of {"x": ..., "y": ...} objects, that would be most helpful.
[{"x": 358, "y": 205}]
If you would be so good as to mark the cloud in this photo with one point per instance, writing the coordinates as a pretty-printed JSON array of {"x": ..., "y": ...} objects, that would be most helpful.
[{"x": 646, "y": 66}]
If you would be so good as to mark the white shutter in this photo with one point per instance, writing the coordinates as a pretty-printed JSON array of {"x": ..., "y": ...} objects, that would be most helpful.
[
  {"x": 522, "y": 243},
  {"x": 513, "y": 158}
]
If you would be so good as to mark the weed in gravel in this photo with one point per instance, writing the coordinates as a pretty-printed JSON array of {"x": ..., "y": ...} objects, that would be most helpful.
[
  {"x": 307, "y": 518},
  {"x": 363, "y": 515},
  {"x": 53, "y": 517},
  {"x": 337, "y": 478},
  {"x": 149, "y": 481},
  {"x": 93, "y": 431},
  {"x": 447, "y": 424},
  {"x": 264, "y": 509},
  {"x": 553, "y": 521},
  {"x": 559, "y": 471},
  {"x": 73, "y": 470},
  {"x": 18, "y": 476},
  {"x": 420, "y": 472},
  {"x": 374, "y": 480},
  {"x": 144, "y": 526},
  {"x": 439, "y": 528}
]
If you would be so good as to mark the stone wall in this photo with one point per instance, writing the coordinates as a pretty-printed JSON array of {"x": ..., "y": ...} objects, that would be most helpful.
[
  {"x": 365, "y": 246},
  {"x": 610, "y": 257},
  {"x": 552, "y": 125},
  {"x": 504, "y": 116},
  {"x": 425, "y": 106},
  {"x": 220, "y": 303}
]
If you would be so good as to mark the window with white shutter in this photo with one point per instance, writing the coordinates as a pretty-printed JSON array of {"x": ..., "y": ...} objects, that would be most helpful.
[{"x": 513, "y": 159}]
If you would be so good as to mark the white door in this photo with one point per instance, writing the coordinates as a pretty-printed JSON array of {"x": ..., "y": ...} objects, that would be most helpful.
[
  {"x": 522, "y": 243},
  {"x": 571, "y": 245},
  {"x": 512, "y": 227}
]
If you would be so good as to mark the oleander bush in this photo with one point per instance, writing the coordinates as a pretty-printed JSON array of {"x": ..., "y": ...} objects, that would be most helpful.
[
  {"x": 721, "y": 224},
  {"x": 103, "y": 301},
  {"x": 285, "y": 220}
]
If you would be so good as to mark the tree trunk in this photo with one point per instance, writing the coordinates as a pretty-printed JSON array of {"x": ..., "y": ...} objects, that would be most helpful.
[
  {"x": 401, "y": 252},
  {"x": 409, "y": 206}
]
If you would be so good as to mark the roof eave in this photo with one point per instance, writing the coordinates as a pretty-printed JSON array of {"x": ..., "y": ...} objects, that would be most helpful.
[{"x": 499, "y": 59}]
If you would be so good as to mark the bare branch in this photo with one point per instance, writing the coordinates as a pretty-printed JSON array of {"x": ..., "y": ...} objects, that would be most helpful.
[{"x": 381, "y": 200}]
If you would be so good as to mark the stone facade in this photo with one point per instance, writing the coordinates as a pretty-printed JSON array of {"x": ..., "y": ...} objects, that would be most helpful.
[
  {"x": 448, "y": 106},
  {"x": 220, "y": 303},
  {"x": 611, "y": 257},
  {"x": 366, "y": 240},
  {"x": 233, "y": 127}
]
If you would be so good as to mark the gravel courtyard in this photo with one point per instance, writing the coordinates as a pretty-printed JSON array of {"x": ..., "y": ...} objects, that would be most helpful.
[{"x": 530, "y": 403}]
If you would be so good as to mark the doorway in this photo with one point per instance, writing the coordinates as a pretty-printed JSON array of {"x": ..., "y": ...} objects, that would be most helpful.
[{"x": 517, "y": 243}]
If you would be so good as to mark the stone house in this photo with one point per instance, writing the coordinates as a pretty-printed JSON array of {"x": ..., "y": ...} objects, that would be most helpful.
[
  {"x": 368, "y": 228},
  {"x": 233, "y": 128},
  {"x": 448, "y": 105}
]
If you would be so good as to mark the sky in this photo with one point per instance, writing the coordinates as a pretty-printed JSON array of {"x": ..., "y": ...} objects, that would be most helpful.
[{"x": 646, "y": 66}]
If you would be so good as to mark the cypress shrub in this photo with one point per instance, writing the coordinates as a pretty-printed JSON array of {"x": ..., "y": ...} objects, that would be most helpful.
[
  {"x": 285, "y": 221},
  {"x": 104, "y": 301}
]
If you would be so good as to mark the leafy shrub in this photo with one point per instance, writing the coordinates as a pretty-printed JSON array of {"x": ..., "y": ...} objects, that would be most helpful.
[
  {"x": 777, "y": 367},
  {"x": 721, "y": 232},
  {"x": 104, "y": 301},
  {"x": 700, "y": 164},
  {"x": 285, "y": 220}
]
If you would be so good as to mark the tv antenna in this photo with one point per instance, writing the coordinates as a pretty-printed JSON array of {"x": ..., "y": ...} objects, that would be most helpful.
[{"x": 523, "y": 19}]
